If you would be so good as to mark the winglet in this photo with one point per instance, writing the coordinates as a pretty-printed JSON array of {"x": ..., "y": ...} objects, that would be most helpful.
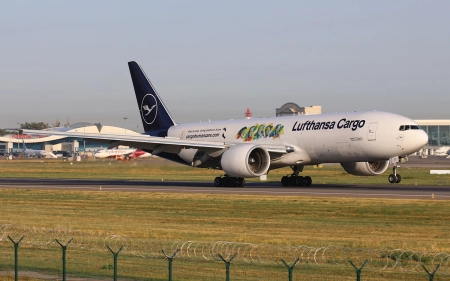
[{"x": 155, "y": 117}]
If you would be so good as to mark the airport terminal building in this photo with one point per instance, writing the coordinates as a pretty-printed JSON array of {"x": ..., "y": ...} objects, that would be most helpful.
[
  {"x": 438, "y": 131},
  {"x": 13, "y": 143}
]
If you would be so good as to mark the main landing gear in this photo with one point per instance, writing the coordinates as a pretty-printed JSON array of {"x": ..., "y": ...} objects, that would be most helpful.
[
  {"x": 227, "y": 181},
  {"x": 394, "y": 177},
  {"x": 294, "y": 179}
]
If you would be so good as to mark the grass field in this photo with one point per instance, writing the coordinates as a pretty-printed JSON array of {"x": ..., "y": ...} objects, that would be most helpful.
[
  {"x": 158, "y": 169},
  {"x": 279, "y": 221}
]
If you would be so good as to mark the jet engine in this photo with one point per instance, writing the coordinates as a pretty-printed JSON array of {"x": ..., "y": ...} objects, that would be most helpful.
[
  {"x": 245, "y": 161},
  {"x": 365, "y": 168}
]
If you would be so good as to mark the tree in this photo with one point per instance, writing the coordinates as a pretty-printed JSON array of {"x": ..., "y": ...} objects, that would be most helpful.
[
  {"x": 34, "y": 125},
  {"x": 3, "y": 132},
  {"x": 57, "y": 123}
]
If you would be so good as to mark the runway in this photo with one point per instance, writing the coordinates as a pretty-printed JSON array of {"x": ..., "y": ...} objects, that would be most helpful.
[{"x": 252, "y": 188}]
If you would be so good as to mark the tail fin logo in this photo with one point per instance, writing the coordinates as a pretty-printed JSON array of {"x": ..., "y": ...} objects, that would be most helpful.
[{"x": 149, "y": 109}]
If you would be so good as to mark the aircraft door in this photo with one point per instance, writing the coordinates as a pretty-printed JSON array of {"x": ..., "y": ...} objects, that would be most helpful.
[{"x": 372, "y": 134}]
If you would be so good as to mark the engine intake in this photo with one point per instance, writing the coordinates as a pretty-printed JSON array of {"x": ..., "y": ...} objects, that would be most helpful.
[
  {"x": 245, "y": 161},
  {"x": 365, "y": 168}
]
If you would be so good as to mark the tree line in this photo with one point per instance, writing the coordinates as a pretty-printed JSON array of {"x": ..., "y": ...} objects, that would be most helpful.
[{"x": 28, "y": 126}]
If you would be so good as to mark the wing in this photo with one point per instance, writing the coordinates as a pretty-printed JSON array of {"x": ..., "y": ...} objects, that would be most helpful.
[{"x": 156, "y": 144}]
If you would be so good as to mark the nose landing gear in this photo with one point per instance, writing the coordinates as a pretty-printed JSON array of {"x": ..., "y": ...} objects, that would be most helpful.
[
  {"x": 394, "y": 177},
  {"x": 294, "y": 179}
]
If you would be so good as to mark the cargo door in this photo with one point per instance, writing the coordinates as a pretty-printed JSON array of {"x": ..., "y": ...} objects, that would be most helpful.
[{"x": 372, "y": 134}]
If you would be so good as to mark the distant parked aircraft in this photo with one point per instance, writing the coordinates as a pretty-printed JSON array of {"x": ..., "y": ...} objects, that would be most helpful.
[
  {"x": 121, "y": 154},
  {"x": 442, "y": 151},
  {"x": 139, "y": 154},
  {"x": 36, "y": 152},
  {"x": 117, "y": 153}
]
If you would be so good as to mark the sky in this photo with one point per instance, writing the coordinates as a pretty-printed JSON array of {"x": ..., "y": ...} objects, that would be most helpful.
[{"x": 211, "y": 60}]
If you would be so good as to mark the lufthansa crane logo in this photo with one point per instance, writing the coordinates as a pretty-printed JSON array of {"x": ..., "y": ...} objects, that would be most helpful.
[{"x": 149, "y": 109}]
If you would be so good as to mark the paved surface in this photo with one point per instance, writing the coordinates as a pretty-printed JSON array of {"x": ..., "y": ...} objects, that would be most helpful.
[
  {"x": 429, "y": 162},
  {"x": 267, "y": 188},
  {"x": 258, "y": 188}
]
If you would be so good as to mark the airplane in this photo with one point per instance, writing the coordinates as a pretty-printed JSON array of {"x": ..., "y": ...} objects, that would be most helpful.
[
  {"x": 362, "y": 142},
  {"x": 36, "y": 152},
  {"x": 139, "y": 154},
  {"x": 442, "y": 151},
  {"x": 114, "y": 153},
  {"x": 121, "y": 154}
]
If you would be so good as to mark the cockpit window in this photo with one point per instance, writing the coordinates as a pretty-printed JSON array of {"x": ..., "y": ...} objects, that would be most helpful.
[{"x": 408, "y": 127}]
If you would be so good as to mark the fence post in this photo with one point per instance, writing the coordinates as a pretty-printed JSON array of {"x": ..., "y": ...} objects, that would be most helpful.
[
  {"x": 16, "y": 257},
  {"x": 431, "y": 275},
  {"x": 291, "y": 268},
  {"x": 358, "y": 270},
  {"x": 227, "y": 265},
  {"x": 115, "y": 254},
  {"x": 64, "y": 247},
  {"x": 170, "y": 258}
]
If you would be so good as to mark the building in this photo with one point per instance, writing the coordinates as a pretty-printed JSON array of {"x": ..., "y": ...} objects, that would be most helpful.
[
  {"x": 290, "y": 108},
  {"x": 13, "y": 143},
  {"x": 438, "y": 131}
]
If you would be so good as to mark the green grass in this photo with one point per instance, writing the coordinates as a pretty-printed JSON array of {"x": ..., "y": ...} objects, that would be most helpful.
[
  {"x": 278, "y": 221},
  {"x": 158, "y": 169},
  {"x": 422, "y": 225}
]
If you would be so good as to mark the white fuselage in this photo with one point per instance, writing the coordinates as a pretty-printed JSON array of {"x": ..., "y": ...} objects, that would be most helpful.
[
  {"x": 105, "y": 153},
  {"x": 38, "y": 153},
  {"x": 442, "y": 151},
  {"x": 322, "y": 138}
]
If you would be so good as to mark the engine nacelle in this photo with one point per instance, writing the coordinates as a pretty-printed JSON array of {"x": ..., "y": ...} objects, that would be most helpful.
[
  {"x": 365, "y": 168},
  {"x": 245, "y": 161}
]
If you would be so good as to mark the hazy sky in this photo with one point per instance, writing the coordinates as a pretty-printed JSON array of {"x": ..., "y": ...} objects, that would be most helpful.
[{"x": 214, "y": 59}]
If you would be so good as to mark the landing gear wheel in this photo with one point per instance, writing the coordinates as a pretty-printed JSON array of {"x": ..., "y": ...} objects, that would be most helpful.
[
  {"x": 218, "y": 182},
  {"x": 299, "y": 181},
  {"x": 307, "y": 181},
  {"x": 292, "y": 180},
  {"x": 285, "y": 181},
  {"x": 399, "y": 178},
  {"x": 241, "y": 182},
  {"x": 392, "y": 178}
]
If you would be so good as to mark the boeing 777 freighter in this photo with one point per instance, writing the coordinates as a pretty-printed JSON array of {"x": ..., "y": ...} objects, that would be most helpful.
[{"x": 362, "y": 142}]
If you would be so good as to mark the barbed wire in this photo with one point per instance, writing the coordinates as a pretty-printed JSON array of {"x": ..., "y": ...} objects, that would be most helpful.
[{"x": 378, "y": 259}]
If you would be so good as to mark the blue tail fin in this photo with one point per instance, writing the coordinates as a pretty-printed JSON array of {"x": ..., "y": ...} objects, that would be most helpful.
[
  {"x": 155, "y": 117},
  {"x": 24, "y": 147}
]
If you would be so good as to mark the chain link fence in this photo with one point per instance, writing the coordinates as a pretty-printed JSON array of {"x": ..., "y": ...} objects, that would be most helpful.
[{"x": 381, "y": 260}]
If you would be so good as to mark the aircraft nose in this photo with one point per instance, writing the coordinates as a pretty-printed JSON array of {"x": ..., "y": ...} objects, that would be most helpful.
[{"x": 421, "y": 138}]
